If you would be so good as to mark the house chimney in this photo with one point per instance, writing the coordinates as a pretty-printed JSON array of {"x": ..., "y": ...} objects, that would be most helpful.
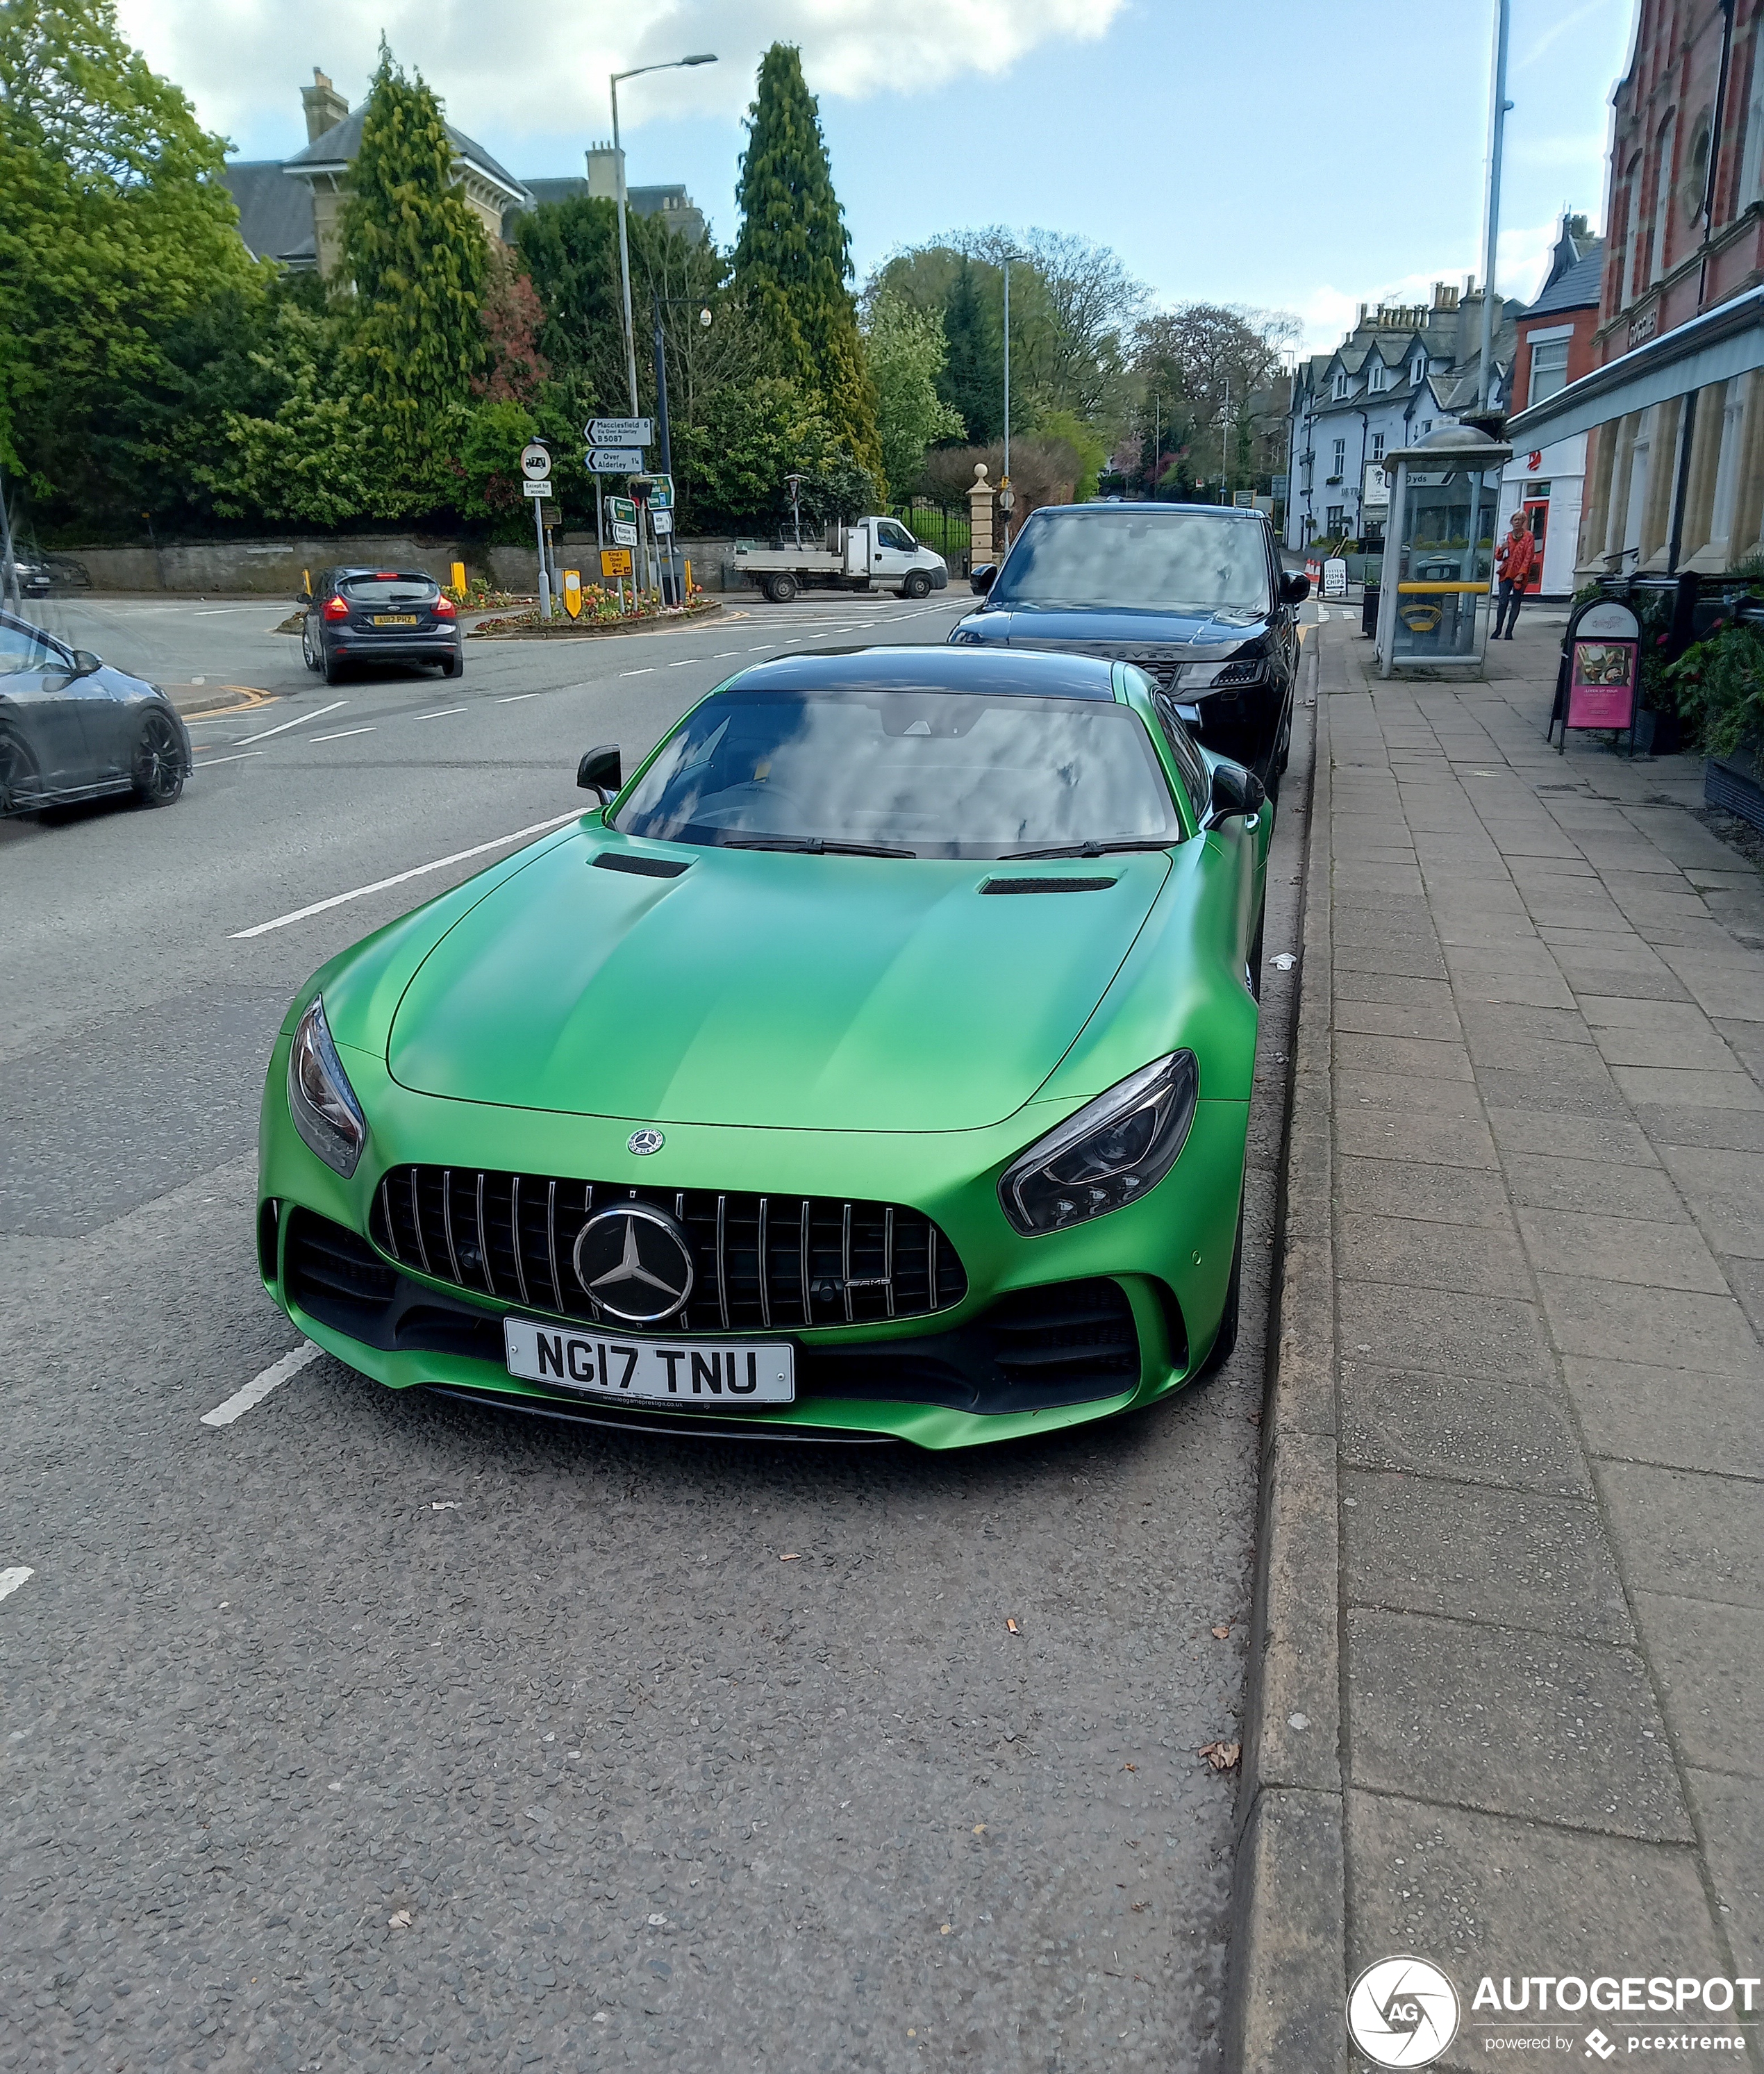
[
  {"x": 325, "y": 106},
  {"x": 603, "y": 171}
]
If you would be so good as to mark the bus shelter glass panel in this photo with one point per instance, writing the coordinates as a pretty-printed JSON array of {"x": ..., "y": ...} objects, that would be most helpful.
[{"x": 1444, "y": 563}]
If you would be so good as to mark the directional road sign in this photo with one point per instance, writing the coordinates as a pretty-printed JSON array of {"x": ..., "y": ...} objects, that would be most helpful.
[
  {"x": 660, "y": 495},
  {"x": 615, "y": 561},
  {"x": 624, "y": 535},
  {"x": 661, "y": 520},
  {"x": 620, "y": 432},
  {"x": 623, "y": 510},
  {"x": 615, "y": 460},
  {"x": 535, "y": 462}
]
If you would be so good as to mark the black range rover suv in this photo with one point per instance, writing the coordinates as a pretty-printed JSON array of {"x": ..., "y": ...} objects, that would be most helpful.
[{"x": 1193, "y": 594}]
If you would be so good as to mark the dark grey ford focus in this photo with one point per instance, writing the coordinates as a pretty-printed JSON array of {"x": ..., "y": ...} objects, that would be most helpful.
[{"x": 72, "y": 728}]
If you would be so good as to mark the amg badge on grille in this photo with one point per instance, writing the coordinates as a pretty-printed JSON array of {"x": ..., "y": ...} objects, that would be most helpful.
[{"x": 642, "y": 1142}]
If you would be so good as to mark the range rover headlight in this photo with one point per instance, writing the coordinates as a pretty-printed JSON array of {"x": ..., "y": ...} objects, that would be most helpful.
[
  {"x": 321, "y": 1100},
  {"x": 1239, "y": 674},
  {"x": 1107, "y": 1156}
]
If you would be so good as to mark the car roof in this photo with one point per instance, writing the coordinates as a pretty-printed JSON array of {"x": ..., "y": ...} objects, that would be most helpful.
[{"x": 1008, "y": 672}]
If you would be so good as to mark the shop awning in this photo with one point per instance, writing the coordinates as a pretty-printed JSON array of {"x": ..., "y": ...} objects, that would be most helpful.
[{"x": 1715, "y": 347}]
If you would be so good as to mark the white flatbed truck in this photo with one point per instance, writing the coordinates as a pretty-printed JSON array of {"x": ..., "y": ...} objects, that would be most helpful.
[{"x": 873, "y": 554}]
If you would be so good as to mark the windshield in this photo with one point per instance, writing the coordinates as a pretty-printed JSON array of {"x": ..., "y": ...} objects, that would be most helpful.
[
  {"x": 390, "y": 590},
  {"x": 927, "y": 773},
  {"x": 1157, "y": 561}
]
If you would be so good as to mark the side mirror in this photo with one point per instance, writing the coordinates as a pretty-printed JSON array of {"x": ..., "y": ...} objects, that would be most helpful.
[
  {"x": 1295, "y": 590},
  {"x": 1235, "y": 790},
  {"x": 982, "y": 579},
  {"x": 599, "y": 771}
]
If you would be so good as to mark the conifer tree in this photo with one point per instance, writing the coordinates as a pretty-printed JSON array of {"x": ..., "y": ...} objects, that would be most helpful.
[
  {"x": 793, "y": 257},
  {"x": 417, "y": 257}
]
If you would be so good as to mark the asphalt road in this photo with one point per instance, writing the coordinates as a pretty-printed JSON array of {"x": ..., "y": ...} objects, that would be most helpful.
[{"x": 372, "y": 1730}]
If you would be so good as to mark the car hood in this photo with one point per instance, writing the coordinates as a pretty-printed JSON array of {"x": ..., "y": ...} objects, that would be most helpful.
[
  {"x": 818, "y": 993},
  {"x": 1123, "y": 635}
]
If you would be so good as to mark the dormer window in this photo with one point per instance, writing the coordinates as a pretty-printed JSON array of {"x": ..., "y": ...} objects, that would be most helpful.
[
  {"x": 1379, "y": 378},
  {"x": 1340, "y": 386},
  {"x": 1419, "y": 369}
]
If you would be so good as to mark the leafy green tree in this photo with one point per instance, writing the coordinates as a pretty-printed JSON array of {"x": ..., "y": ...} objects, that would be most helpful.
[
  {"x": 753, "y": 435},
  {"x": 113, "y": 224},
  {"x": 1067, "y": 429},
  {"x": 793, "y": 256},
  {"x": 570, "y": 251},
  {"x": 418, "y": 260},
  {"x": 905, "y": 351},
  {"x": 973, "y": 383}
]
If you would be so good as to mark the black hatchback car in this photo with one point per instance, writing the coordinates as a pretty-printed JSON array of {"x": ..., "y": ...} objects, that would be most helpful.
[
  {"x": 1193, "y": 594},
  {"x": 72, "y": 728},
  {"x": 362, "y": 615}
]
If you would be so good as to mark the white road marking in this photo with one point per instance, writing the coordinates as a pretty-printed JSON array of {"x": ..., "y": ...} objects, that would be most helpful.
[
  {"x": 686, "y": 662},
  {"x": 648, "y": 670},
  {"x": 443, "y": 714},
  {"x": 299, "y": 719},
  {"x": 11, "y": 1579},
  {"x": 209, "y": 762},
  {"x": 260, "y": 1385},
  {"x": 342, "y": 735},
  {"x": 518, "y": 696},
  {"x": 208, "y": 611},
  {"x": 724, "y": 654},
  {"x": 399, "y": 877}
]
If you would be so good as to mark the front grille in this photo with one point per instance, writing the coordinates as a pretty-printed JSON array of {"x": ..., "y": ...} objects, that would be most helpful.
[
  {"x": 759, "y": 1262},
  {"x": 1046, "y": 885},
  {"x": 1162, "y": 673},
  {"x": 331, "y": 1274}
]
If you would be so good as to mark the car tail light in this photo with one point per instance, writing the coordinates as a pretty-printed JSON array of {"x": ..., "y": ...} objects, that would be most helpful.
[
  {"x": 336, "y": 608},
  {"x": 442, "y": 608}
]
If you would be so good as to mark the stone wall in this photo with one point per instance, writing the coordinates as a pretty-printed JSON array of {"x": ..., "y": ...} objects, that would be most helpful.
[{"x": 278, "y": 568}]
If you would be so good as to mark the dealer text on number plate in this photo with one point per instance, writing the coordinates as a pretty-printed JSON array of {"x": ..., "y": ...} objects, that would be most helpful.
[{"x": 678, "y": 1372}]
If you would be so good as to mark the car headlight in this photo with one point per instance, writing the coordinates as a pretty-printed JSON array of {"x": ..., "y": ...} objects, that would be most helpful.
[
  {"x": 1108, "y": 1154},
  {"x": 322, "y": 1102},
  {"x": 1238, "y": 676}
]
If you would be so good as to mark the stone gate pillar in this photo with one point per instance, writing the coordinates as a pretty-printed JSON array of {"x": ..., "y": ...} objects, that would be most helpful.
[{"x": 980, "y": 507}]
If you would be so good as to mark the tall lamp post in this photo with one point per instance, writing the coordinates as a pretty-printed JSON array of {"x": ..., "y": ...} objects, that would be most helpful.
[{"x": 673, "y": 64}]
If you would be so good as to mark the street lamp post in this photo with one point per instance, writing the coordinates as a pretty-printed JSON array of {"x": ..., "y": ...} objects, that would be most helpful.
[{"x": 673, "y": 64}]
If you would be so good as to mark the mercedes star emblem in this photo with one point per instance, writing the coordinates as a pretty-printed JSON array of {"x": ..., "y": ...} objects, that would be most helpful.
[
  {"x": 635, "y": 1262},
  {"x": 643, "y": 1142}
]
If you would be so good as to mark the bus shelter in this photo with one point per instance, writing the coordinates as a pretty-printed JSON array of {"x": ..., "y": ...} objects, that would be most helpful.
[{"x": 1438, "y": 553}]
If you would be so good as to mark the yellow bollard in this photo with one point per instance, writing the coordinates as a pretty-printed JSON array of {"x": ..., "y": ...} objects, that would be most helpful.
[
  {"x": 458, "y": 580},
  {"x": 308, "y": 574}
]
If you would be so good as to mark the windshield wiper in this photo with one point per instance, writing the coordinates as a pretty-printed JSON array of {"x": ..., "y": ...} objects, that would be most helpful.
[
  {"x": 814, "y": 846},
  {"x": 1092, "y": 848}
]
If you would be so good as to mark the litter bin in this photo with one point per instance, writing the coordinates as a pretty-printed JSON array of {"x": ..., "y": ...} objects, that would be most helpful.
[{"x": 1369, "y": 613}]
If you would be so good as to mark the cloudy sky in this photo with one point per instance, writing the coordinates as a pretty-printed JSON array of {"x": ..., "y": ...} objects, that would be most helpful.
[{"x": 1304, "y": 155}]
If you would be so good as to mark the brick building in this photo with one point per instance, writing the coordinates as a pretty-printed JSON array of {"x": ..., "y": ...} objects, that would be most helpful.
[{"x": 1673, "y": 397}]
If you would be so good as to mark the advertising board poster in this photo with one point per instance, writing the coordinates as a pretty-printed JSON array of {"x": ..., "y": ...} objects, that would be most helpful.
[
  {"x": 1601, "y": 685},
  {"x": 1603, "y": 666}
]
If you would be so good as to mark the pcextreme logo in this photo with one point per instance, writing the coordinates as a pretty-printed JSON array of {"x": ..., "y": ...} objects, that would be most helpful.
[{"x": 1403, "y": 2012}]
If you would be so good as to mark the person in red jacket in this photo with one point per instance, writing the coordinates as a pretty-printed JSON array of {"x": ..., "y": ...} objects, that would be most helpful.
[{"x": 1514, "y": 559}]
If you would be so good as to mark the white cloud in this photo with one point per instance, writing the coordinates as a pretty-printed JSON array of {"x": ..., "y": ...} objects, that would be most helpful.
[{"x": 530, "y": 67}]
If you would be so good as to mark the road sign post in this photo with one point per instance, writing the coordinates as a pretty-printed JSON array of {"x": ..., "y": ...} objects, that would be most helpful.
[{"x": 536, "y": 467}]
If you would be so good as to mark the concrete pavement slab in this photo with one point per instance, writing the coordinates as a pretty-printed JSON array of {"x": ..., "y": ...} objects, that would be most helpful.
[
  {"x": 1709, "y": 1663},
  {"x": 1413, "y": 1134},
  {"x": 1540, "y": 1181},
  {"x": 1618, "y": 1140},
  {"x": 1725, "y": 1192},
  {"x": 1554, "y": 1728},
  {"x": 1509, "y": 1559},
  {"x": 1620, "y": 1321},
  {"x": 1644, "y": 1411},
  {"x": 1644, "y": 1252},
  {"x": 1695, "y": 1534},
  {"x": 1729, "y": 1815},
  {"x": 1437, "y": 1195},
  {"x": 1474, "y": 1428},
  {"x": 1471, "y": 1260}
]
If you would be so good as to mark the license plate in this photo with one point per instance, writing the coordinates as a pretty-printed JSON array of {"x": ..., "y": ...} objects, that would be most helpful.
[
  {"x": 697, "y": 1373},
  {"x": 394, "y": 619}
]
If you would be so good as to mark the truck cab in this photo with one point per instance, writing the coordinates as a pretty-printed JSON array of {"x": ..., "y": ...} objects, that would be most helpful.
[{"x": 872, "y": 553}]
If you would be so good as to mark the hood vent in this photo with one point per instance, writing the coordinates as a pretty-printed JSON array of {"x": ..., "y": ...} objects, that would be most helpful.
[
  {"x": 1046, "y": 885},
  {"x": 639, "y": 867}
]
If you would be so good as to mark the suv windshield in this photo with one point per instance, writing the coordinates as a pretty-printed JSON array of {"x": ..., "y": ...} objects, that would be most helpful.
[
  {"x": 922, "y": 774},
  {"x": 1157, "y": 561}
]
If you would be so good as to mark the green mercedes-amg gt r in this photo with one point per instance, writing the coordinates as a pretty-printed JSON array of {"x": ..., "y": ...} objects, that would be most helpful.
[{"x": 874, "y": 1065}]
